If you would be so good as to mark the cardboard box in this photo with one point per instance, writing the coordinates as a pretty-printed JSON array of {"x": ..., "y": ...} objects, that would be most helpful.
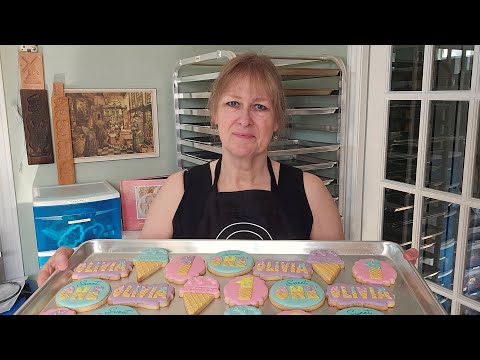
[{"x": 136, "y": 196}]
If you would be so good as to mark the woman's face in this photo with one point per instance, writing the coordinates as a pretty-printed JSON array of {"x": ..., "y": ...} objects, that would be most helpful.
[{"x": 245, "y": 119}]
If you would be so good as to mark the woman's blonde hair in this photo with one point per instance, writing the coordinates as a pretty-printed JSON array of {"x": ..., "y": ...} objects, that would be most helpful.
[{"x": 262, "y": 71}]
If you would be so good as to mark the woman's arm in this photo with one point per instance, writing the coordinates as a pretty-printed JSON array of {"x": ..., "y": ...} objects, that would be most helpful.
[
  {"x": 159, "y": 221},
  {"x": 327, "y": 224}
]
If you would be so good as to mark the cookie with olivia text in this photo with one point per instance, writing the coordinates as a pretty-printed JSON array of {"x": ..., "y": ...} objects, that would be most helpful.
[
  {"x": 148, "y": 296},
  {"x": 274, "y": 269},
  {"x": 376, "y": 297},
  {"x": 108, "y": 270}
]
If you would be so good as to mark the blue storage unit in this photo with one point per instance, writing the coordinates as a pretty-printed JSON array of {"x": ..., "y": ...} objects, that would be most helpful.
[{"x": 68, "y": 215}]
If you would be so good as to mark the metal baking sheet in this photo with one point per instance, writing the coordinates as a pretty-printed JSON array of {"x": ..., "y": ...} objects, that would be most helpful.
[{"x": 413, "y": 296}]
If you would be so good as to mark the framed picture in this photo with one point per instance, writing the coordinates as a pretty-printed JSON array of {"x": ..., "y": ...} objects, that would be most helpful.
[
  {"x": 136, "y": 195},
  {"x": 113, "y": 124}
]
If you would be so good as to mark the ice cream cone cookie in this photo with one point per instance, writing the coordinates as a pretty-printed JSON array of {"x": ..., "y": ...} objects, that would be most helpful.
[
  {"x": 109, "y": 270},
  {"x": 59, "y": 311},
  {"x": 151, "y": 296},
  {"x": 272, "y": 269},
  {"x": 149, "y": 261},
  {"x": 358, "y": 311},
  {"x": 243, "y": 310},
  {"x": 303, "y": 294},
  {"x": 83, "y": 295},
  {"x": 182, "y": 268},
  {"x": 373, "y": 271},
  {"x": 198, "y": 292},
  {"x": 294, "y": 312},
  {"x": 326, "y": 263},
  {"x": 371, "y": 296},
  {"x": 230, "y": 263},
  {"x": 115, "y": 310},
  {"x": 245, "y": 290}
]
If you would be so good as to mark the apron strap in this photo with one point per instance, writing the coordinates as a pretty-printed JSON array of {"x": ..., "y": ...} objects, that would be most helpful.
[{"x": 218, "y": 167}]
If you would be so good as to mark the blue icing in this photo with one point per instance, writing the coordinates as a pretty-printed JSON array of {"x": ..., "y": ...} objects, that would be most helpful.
[
  {"x": 243, "y": 310},
  {"x": 358, "y": 311},
  {"x": 231, "y": 261},
  {"x": 82, "y": 293},
  {"x": 297, "y": 293},
  {"x": 115, "y": 310},
  {"x": 152, "y": 254}
]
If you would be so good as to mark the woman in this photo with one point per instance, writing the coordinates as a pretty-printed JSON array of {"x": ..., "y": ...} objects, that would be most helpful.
[{"x": 242, "y": 195}]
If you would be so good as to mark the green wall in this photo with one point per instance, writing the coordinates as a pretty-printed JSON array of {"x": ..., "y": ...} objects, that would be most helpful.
[{"x": 108, "y": 66}]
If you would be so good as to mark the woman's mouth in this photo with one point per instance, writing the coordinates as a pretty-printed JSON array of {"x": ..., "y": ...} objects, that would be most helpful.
[{"x": 244, "y": 136}]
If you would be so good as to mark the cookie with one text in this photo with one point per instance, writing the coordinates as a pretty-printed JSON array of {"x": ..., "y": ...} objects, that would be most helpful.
[
  {"x": 245, "y": 290},
  {"x": 297, "y": 294},
  {"x": 83, "y": 295},
  {"x": 182, "y": 268},
  {"x": 230, "y": 263},
  {"x": 274, "y": 269},
  {"x": 108, "y": 270},
  {"x": 294, "y": 312},
  {"x": 243, "y": 310},
  {"x": 373, "y": 271},
  {"x": 198, "y": 292},
  {"x": 151, "y": 296},
  {"x": 358, "y": 311},
  {"x": 149, "y": 261},
  {"x": 115, "y": 310},
  {"x": 58, "y": 311}
]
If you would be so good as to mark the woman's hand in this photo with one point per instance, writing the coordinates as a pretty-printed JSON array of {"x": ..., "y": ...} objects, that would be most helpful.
[{"x": 58, "y": 261}]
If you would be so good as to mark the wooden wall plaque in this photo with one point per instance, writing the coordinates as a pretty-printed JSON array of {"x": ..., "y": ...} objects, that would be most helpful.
[
  {"x": 63, "y": 136},
  {"x": 31, "y": 70},
  {"x": 36, "y": 123}
]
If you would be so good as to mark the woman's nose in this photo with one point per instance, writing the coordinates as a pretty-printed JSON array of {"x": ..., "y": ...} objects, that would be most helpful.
[{"x": 245, "y": 117}]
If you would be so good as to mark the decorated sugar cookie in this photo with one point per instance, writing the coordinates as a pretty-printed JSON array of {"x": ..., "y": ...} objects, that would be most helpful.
[
  {"x": 58, "y": 311},
  {"x": 348, "y": 295},
  {"x": 373, "y": 271},
  {"x": 243, "y": 310},
  {"x": 149, "y": 261},
  {"x": 115, "y": 310},
  {"x": 358, "y": 311},
  {"x": 182, "y": 268},
  {"x": 294, "y": 312},
  {"x": 297, "y": 294},
  {"x": 273, "y": 269},
  {"x": 230, "y": 263},
  {"x": 109, "y": 270},
  {"x": 327, "y": 264},
  {"x": 198, "y": 292},
  {"x": 83, "y": 295},
  {"x": 151, "y": 296},
  {"x": 245, "y": 290}
]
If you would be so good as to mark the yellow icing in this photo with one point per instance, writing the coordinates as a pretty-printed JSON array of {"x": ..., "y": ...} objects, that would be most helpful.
[{"x": 297, "y": 292}]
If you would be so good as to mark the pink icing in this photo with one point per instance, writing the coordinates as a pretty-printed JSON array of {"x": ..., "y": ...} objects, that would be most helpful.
[
  {"x": 294, "y": 312},
  {"x": 259, "y": 291},
  {"x": 347, "y": 295},
  {"x": 361, "y": 271},
  {"x": 132, "y": 293},
  {"x": 282, "y": 268},
  {"x": 201, "y": 284},
  {"x": 197, "y": 268},
  {"x": 59, "y": 311},
  {"x": 325, "y": 257},
  {"x": 114, "y": 269}
]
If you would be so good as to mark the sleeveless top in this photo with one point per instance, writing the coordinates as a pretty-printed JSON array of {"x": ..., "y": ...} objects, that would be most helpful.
[{"x": 280, "y": 214}]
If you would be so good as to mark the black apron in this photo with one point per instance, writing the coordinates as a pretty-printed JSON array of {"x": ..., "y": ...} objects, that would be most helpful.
[{"x": 246, "y": 215}]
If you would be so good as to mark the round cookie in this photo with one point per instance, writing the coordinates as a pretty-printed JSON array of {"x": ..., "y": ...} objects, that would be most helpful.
[
  {"x": 58, "y": 311},
  {"x": 373, "y": 271},
  {"x": 243, "y": 310},
  {"x": 182, "y": 268},
  {"x": 115, "y": 310},
  {"x": 294, "y": 312},
  {"x": 301, "y": 294},
  {"x": 230, "y": 263},
  {"x": 83, "y": 295},
  {"x": 358, "y": 311},
  {"x": 245, "y": 290}
]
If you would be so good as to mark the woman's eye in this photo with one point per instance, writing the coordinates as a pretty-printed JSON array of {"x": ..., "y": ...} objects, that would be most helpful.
[
  {"x": 232, "y": 103},
  {"x": 260, "y": 107}
]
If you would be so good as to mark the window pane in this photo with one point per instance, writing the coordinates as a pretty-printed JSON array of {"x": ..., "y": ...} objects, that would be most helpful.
[
  {"x": 402, "y": 150},
  {"x": 447, "y": 130},
  {"x": 445, "y": 302},
  {"x": 438, "y": 241},
  {"x": 452, "y": 67},
  {"x": 471, "y": 286},
  {"x": 407, "y": 67},
  {"x": 467, "y": 311},
  {"x": 398, "y": 217},
  {"x": 476, "y": 172}
]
